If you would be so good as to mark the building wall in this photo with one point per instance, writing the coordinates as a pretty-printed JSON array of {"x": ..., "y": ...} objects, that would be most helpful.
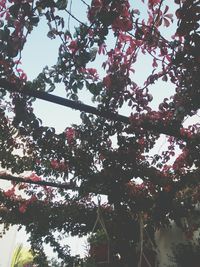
[
  {"x": 166, "y": 239},
  {"x": 7, "y": 245}
]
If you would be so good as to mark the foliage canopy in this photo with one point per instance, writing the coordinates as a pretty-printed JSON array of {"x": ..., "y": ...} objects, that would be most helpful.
[{"x": 107, "y": 152}]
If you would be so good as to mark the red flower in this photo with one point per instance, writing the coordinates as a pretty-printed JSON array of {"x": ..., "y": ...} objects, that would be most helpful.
[
  {"x": 185, "y": 133},
  {"x": 102, "y": 49},
  {"x": 22, "y": 186},
  {"x": 32, "y": 199},
  {"x": 107, "y": 81},
  {"x": 22, "y": 207},
  {"x": 54, "y": 164},
  {"x": 97, "y": 3},
  {"x": 155, "y": 64},
  {"x": 22, "y": 75},
  {"x": 38, "y": 161},
  {"x": 96, "y": 6},
  {"x": 141, "y": 142},
  {"x": 70, "y": 135},
  {"x": 154, "y": 2},
  {"x": 123, "y": 24},
  {"x": 61, "y": 166},
  {"x": 73, "y": 46},
  {"x": 91, "y": 73},
  {"x": 34, "y": 177},
  {"x": 10, "y": 192}
]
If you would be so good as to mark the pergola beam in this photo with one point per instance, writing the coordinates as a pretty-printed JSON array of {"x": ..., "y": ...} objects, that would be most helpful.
[
  {"x": 65, "y": 186},
  {"x": 148, "y": 125},
  {"x": 63, "y": 102}
]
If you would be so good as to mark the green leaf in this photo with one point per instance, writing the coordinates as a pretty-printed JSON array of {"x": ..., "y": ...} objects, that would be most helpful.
[
  {"x": 14, "y": 10},
  {"x": 74, "y": 97},
  {"x": 80, "y": 85},
  {"x": 2, "y": 93},
  {"x": 61, "y": 4},
  {"x": 93, "y": 52},
  {"x": 34, "y": 20},
  {"x": 1, "y": 35},
  {"x": 67, "y": 33},
  {"x": 83, "y": 116},
  {"x": 94, "y": 89},
  {"x": 1, "y": 23},
  {"x": 51, "y": 88},
  {"x": 51, "y": 35}
]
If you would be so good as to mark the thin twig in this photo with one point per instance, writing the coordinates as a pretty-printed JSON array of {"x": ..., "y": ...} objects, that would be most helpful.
[
  {"x": 85, "y": 3},
  {"x": 68, "y": 12},
  {"x": 70, "y": 9}
]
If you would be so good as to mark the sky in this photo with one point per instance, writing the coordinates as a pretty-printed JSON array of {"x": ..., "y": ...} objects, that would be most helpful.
[{"x": 39, "y": 51}]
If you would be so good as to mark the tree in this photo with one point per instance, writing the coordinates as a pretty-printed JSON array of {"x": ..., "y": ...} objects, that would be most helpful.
[{"x": 70, "y": 168}]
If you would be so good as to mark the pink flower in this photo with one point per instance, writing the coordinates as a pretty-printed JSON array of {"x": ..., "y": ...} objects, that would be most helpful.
[
  {"x": 141, "y": 142},
  {"x": 22, "y": 75},
  {"x": 54, "y": 164},
  {"x": 34, "y": 177},
  {"x": 97, "y": 3},
  {"x": 22, "y": 186},
  {"x": 154, "y": 2},
  {"x": 10, "y": 192},
  {"x": 70, "y": 135},
  {"x": 61, "y": 166},
  {"x": 181, "y": 160},
  {"x": 22, "y": 207},
  {"x": 124, "y": 24},
  {"x": 102, "y": 49},
  {"x": 96, "y": 6},
  {"x": 38, "y": 161},
  {"x": 107, "y": 81},
  {"x": 32, "y": 199},
  {"x": 185, "y": 133},
  {"x": 73, "y": 46},
  {"x": 91, "y": 73},
  {"x": 155, "y": 64}
]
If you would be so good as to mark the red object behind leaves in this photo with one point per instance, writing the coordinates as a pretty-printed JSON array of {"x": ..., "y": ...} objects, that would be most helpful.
[
  {"x": 10, "y": 192},
  {"x": 70, "y": 135}
]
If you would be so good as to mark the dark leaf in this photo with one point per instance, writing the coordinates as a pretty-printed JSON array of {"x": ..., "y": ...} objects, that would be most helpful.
[
  {"x": 14, "y": 10},
  {"x": 61, "y": 4}
]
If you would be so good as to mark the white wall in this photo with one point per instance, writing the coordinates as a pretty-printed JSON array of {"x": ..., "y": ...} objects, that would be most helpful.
[
  {"x": 8, "y": 241},
  {"x": 166, "y": 239},
  {"x": 7, "y": 245}
]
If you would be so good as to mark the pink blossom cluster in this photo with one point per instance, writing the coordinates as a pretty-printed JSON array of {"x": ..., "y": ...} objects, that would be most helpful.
[{"x": 58, "y": 165}]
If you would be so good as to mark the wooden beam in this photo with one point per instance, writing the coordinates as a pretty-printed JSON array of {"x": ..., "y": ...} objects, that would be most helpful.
[
  {"x": 173, "y": 130},
  {"x": 65, "y": 186}
]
